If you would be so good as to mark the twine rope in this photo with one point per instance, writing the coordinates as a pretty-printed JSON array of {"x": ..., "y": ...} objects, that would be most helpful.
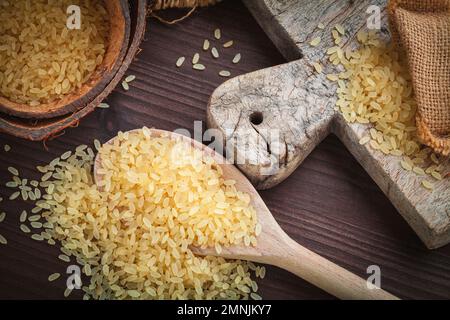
[{"x": 157, "y": 5}]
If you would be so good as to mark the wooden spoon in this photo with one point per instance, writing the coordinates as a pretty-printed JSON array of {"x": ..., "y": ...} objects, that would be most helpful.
[{"x": 274, "y": 246}]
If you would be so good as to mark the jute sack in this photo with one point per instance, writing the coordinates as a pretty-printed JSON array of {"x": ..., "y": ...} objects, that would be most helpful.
[{"x": 422, "y": 29}]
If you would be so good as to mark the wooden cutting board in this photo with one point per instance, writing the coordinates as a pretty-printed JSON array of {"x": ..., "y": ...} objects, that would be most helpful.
[{"x": 299, "y": 103}]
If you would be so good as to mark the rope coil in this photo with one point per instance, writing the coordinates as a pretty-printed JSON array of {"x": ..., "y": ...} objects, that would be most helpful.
[
  {"x": 157, "y": 5},
  {"x": 168, "y": 4}
]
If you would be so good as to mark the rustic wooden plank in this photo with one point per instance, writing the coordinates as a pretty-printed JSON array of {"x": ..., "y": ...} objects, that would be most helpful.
[
  {"x": 329, "y": 204},
  {"x": 297, "y": 104}
]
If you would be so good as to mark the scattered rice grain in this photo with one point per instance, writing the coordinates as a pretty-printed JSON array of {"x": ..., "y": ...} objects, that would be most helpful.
[
  {"x": 23, "y": 216},
  {"x": 436, "y": 175},
  {"x": 228, "y": 44},
  {"x": 217, "y": 34},
  {"x": 67, "y": 292},
  {"x": 180, "y": 61},
  {"x": 225, "y": 73},
  {"x": 255, "y": 296},
  {"x": 103, "y": 105},
  {"x": 237, "y": 58},
  {"x": 215, "y": 52},
  {"x": 364, "y": 140},
  {"x": 405, "y": 165},
  {"x": 419, "y": 171},
  {"x": 64, "y": 258},
  {"x": 37, "y": 237},
  {"x": 36, "y": 224},
  {"x": 13, "y": 171},
  {"x": 53, "y": 277},
  {"x": 125, "y": 86},
  {"x": 206, "y": 45},
  {"x": 196, "y": 58},
  {"x": 340, "y": 29},
  {"x": 97, "y": 144},
  {"x": 427, "y": 185},
  {"x": 66, "y": 155},
  {"x": 130, "y": 78},
  {"x": 315, "y": 42},
  {"x": 25, "y": 228},
  {"x": 199, "y": 67},
  {"x": 15, "y": 195},
  {"x": 318, "y": 67}
]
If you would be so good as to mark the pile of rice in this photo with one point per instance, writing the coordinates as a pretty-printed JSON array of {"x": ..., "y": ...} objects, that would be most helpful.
[
  {"x": 132, "y": 233},
  {"x": 41, "y": 59},
  {"x": 375, "y": 88}
]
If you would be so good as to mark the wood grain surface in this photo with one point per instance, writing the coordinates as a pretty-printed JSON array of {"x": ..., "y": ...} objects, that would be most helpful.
[
  {"x": 297, "y": 108},
  {"x": 329, "y": 205}
]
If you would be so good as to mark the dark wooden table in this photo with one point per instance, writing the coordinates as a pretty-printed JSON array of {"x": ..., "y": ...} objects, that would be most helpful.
[{"x": 329, "y": 204}]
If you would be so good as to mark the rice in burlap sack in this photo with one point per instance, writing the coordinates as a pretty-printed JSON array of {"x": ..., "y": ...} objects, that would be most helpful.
[{"x": 422, "y": 29}]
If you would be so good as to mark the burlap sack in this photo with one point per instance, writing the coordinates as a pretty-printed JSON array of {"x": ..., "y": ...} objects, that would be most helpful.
[{"x": 422, "y": 30}]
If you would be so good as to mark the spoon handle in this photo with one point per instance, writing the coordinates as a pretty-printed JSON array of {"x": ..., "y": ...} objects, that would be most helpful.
[{"x": 324, "y": 273}]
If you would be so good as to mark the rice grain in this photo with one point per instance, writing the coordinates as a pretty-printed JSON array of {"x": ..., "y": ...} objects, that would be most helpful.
[
  {"x": 199, "y": 67},
  {"x": 53, "y": 277},
  {"x": 217, "y": 34},
  {"x": 195, "y": 58},
  {"x": 237, "y": 58},
  {"x": 215, "y": 52},
  {"x": 180, "y": 61},
  {"x": 225, "y": 73},
  {"x": 206, "y": 45},
  {"x": 315, "y": 42},
  {"x": 103, "y": 105},
  {"x": 25, "y": 228},
  {"x": 104, "y": 226},
  {"x": 130, "y": 78},
  {"x": 228, "y": 44}
]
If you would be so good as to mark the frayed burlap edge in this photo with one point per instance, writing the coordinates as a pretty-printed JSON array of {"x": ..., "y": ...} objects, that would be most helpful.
[{"x": 439, "y": 143}]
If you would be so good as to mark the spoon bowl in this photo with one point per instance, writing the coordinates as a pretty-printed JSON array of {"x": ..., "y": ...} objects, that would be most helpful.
[{"x": 274, "y": 246}]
